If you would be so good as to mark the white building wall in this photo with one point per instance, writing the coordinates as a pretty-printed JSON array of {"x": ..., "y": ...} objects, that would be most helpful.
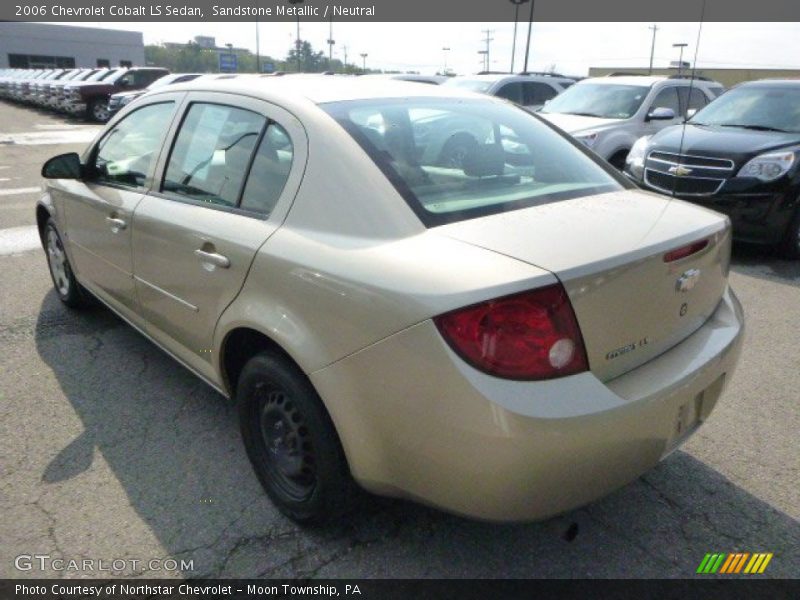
[{"x": 85, "y": 44}]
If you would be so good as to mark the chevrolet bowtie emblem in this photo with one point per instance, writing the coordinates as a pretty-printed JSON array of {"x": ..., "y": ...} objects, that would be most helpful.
[
  {"x": 680, "y": 171},
  {"x": 688, "y": 280}
]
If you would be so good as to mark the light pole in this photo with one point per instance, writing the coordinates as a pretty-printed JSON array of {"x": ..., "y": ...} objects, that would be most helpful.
[
  {"x": 680, "y": 60},
  {"x": 297, "y": 39},
  {"x": 331, "y": 42},
  {"x": 485, "y": 63},
  {"x": 528, "y": 45},
  {"x": 364, "y": 56},
  {"x": 516, "y": 4},
  {"x": 445, "y": 49}
]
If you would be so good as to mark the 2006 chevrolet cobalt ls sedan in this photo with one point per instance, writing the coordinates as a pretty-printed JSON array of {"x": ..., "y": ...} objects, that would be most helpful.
[{"x": 428, "y": 293}]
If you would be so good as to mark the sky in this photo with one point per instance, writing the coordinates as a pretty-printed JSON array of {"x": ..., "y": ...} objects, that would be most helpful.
[{"x": 569, "y": 48}]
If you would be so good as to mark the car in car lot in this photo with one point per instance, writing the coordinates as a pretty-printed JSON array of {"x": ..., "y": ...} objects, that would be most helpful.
[
  {"x": 740, "y": 156},
  {"x": 480, "y": 337},
  {"x": 608, "y": 114},
  {"x": 90, "y": 98},
  {"x": 121, "y": 99},
  {"x": 529, "y": 90}
]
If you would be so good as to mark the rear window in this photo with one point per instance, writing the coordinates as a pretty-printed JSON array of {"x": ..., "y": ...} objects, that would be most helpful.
[{"x": 459, "y": 159}]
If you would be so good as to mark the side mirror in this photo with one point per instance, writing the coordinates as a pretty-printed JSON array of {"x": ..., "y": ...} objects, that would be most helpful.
[
  {"x": 63, "y": 166},
  {"x": 660, "y": 114}
]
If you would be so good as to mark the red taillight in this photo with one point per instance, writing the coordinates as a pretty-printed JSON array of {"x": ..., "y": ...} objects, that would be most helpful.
[
  {"x": 532, "y": 335},
  {"x": 685, "y": 251}
]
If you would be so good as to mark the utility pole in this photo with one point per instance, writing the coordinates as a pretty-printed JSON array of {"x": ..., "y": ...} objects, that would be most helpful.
[
  {"x": 297, "y": 40},
  {"x": 528, "y": 45},
  {"x": 445, "y": 49},
  {"x": 654, "y": 27},
  {"x": 364, "y": 56},
  {"x": 487, "y": 40},
  {"x": 344, "y": 50}
]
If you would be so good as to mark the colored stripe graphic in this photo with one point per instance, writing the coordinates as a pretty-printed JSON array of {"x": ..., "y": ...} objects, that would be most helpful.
[
  {"x": 741, "y": 562},
  {"x": 720, "y": 562}
]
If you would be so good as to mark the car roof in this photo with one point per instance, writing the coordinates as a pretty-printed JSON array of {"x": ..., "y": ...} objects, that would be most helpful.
[
  {"x": 501, "y": 76},
  {"x": 772, "y": 83},
  {"x": 649, "y": 80},
  {"x": 321, "y": 89}
]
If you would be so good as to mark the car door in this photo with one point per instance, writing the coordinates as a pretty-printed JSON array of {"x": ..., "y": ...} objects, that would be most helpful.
[
  {"x": 195, "y": 236},
  {"x": 98, "y": 209}
]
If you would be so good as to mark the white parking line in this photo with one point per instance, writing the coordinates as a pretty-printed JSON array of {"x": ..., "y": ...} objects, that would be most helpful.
[
  {"x": 15, "y": 240},
  {"x": 36, "y": 138},
  {"x": 15, "y": 191}
]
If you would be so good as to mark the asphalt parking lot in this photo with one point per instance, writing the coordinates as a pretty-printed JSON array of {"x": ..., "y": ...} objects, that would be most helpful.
[{"x": 111, "y": 450}]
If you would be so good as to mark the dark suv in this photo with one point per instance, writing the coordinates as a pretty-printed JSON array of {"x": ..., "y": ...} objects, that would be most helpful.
[
  {"x": 90, "y": 98},
  {"x": 740, "y": 155}
]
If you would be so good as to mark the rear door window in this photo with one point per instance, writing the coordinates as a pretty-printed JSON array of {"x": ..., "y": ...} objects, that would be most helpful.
[
  {"x": 269, "y": 172},
  {"x": 667, "y": 98},
  {"x": 512, "y": 91},
  {"x": 536, "y": 93},
  {"x": 212, "y": 153}
]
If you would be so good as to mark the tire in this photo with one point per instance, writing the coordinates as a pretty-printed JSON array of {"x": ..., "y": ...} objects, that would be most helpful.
[
  {"x": 69, "y": 291},
  {"x": 455, "y": 149},
  {"x": 292, "y": 443},
  {"x": 97, "y": 110},
  {"x": 618, "y": 160},
  {"x": 790, "y": 246}
]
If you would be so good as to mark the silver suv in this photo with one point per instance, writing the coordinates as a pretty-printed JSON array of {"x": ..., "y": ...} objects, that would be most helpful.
[
  {"x": 608, "y": 114},
  {"x": 529, "y": 90}
]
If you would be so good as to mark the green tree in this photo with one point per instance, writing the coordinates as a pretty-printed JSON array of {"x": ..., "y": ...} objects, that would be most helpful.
[{"x": 304, "y": 57}]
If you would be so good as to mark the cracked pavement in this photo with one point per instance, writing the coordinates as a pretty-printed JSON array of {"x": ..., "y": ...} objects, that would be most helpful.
[{"x": 109, "y": 449}]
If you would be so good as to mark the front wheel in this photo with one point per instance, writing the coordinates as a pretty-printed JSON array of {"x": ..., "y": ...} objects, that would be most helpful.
[
  {"x": 98, "y": 110},
  {"x": 69, "y": 291},
  {"x": 291, "y": 441},
  {"x": 790, "y": 246},
  {"x": 618, "y": 160}
]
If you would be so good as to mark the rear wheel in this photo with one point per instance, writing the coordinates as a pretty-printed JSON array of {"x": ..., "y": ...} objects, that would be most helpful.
[
  {"x": 455, "y": 150},
  {"x": 69, "y": 291},
  {"x": 291, "y": 441},
  {"x": 790, "y": 246}
]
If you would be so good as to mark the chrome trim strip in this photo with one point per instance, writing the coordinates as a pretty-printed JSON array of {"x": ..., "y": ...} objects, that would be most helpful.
[
  {"x": 682, "y": 156},
  {"x": 684, "y": 164}
]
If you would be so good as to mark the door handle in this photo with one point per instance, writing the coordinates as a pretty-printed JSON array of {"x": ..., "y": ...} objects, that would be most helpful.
[
  {"x": 213, "y": 258},
  {"x": 115, "y": 223}
]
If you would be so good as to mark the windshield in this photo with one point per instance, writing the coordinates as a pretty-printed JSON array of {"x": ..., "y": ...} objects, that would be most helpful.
[
  {"x": 754, "y": 107},
  {"x": 473, "y": 85},
  {"x": 604, "y": 100},
  {"x": 458, "y": 159}
]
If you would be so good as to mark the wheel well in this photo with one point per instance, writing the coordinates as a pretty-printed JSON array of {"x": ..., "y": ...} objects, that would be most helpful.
[
  {"x": 42, "y": 215},
  {"x": 618, "y": 158},
  {"x": 241, "y": 345}
]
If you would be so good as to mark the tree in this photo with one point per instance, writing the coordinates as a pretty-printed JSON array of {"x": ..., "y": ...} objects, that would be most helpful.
[{"x": 309, "y": 61}]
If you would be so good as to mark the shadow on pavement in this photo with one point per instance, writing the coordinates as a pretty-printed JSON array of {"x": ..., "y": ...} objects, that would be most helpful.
[
  {"x": 173, "y": 445},
  {"x": 765, "y": 263}
]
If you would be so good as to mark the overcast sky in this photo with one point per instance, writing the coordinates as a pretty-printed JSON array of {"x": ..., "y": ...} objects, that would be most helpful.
[{"x": 571, "y": 47}]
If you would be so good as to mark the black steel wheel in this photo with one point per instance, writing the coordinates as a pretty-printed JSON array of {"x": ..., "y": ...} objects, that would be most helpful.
[{"x": 291, "y": 441}]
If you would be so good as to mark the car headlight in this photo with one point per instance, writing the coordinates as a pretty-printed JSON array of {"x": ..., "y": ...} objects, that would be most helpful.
[
  {"x": 634, "y": 162},
  {"x": 768, "y": 167},
  {"x": 588, "y": 139}
]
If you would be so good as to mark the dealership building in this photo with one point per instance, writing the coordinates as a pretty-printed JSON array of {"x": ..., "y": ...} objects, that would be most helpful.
[{"x": 41, "y": 45}]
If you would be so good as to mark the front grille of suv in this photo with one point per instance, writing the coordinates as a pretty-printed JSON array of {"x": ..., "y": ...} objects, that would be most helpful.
[{"x": 685, "y": 174}]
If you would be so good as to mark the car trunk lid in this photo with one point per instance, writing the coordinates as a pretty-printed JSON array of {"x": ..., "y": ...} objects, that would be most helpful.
[{"x": 609, "y": 252}]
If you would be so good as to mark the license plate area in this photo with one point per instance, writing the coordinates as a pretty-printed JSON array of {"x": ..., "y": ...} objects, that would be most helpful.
[{"x": 685, "y": 421}]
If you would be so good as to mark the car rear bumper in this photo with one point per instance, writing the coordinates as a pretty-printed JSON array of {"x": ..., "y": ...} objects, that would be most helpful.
[{"x": 416, "y": 421}]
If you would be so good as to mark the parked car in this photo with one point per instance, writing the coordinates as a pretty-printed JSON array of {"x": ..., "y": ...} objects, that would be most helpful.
[
  {"x": 608, "y": 114},
  {"x": 90, "y": 98},
  {"x": 429, "y": 79},
  {"x": 121, "y": 99},
  {"x": 740, "y": 155},
  {"x": 480, "y": 338},
  {"x": 531, "y": 90}
]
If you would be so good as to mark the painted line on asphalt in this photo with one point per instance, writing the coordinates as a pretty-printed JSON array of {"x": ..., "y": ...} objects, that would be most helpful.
[
  {"x": 37, "y": 138},
  {"x": 15, "y": 191},
  {"x": 16, "y": 240}
]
